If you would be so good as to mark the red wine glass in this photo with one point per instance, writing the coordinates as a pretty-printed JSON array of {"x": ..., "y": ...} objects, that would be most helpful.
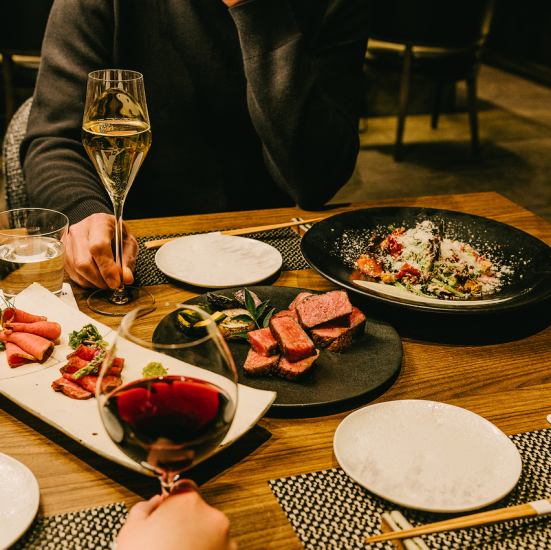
[{"x": 179, "y": 389}]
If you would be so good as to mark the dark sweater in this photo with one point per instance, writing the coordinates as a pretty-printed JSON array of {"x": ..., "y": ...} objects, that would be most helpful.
[{"x": 251, "y": 107}]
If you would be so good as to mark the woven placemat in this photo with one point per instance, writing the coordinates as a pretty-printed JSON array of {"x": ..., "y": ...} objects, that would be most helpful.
[
  {"x": 89, "y": 529},
  {"x": 329, "y": 510},
  {"x": 285, "y": 240}
]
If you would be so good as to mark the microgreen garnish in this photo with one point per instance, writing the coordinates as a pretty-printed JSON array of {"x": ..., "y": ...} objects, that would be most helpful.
[{"x": 88, "y": 335}]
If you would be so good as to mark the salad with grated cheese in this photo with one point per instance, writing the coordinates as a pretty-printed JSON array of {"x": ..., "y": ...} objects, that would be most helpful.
[{"x": 421, "y": 261}]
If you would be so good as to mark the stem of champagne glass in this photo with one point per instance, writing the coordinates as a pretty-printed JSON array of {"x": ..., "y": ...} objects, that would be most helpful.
[
  {"x": 120, "y": 295},
  {"x": 171, "y": 481}
]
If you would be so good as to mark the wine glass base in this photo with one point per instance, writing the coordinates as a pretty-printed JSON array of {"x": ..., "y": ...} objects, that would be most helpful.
[{"x": 100, "y": 301}]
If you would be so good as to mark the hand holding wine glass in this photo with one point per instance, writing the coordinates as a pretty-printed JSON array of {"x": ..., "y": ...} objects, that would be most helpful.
[
  {"x": 117, "y": 136},
  {"x": 179, "y": 392}
]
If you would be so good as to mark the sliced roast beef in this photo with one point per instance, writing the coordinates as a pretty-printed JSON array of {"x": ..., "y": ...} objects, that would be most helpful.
[
  {"x": 337, "y": 338},
  {"x": 263, "y": 341},
  {"x": 47, "y": 329},
  {"x": 70, "y": 389},
  {"x": 19, "y": 316},
  {"x": 323, "y": 308},
  {"x": 293, "y": 341},
  {"x": 32, "y": 344},
  {"x": 16, "y": 356},
  {"x": 296, "y": 369},
  {"x": 258, "y": 365}
]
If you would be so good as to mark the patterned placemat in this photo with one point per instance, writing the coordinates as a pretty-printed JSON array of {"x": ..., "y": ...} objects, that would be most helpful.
[
  {"x": 329, "y": 510},
  {"x": 285, "y": 240},
  {"x": 90, "y": 529}
]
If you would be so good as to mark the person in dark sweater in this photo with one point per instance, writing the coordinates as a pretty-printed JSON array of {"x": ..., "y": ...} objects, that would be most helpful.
[{"x": 253, "y": 104}]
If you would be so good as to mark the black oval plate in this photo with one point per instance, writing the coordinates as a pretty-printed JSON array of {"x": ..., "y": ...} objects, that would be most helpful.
[
  {"x": 331, "y": 246},
  {"x": 337, "y": 381}
]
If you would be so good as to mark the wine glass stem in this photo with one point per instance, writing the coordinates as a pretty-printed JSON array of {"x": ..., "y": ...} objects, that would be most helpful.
[
  {"x": 120, "y": 294},
  {"x": 171, "y": 481}
]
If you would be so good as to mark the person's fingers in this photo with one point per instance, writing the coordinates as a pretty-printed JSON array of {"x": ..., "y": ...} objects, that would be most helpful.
[
  {"x": 183, "y": 486},
  {"x": 74, "y": 263},
  {"x": 129, "y": 253},
  {"x": 143, "y": 509}
]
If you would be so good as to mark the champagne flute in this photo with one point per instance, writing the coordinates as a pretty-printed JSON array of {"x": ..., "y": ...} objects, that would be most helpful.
[
  {"x": 116, "y": 135},
  {"x": 179, "y": 389}
]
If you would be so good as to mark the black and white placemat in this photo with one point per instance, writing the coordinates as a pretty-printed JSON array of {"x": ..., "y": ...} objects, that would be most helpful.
[
  {"x": 90, "y": 529},
  {"x": 285, "y": 240},
  {"x": 330, "y": 511}
]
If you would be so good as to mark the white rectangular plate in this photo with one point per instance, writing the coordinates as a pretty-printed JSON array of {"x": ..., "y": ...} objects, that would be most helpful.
[{"x": 30, "y": 386}]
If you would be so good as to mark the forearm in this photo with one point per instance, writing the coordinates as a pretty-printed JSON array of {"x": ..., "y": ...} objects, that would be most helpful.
[{"x": 304, "y": 99}]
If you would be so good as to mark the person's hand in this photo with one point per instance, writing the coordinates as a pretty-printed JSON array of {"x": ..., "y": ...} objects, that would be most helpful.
[
  {"x": 89, "y": 257},
  {"x": 178, "y": 522}
]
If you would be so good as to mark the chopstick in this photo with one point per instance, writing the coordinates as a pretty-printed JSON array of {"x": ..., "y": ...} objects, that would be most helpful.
[
  {"x": 536, "y": 508},
  {"x": 396, "y": 521},
  {"x": 243, "y": 231}
]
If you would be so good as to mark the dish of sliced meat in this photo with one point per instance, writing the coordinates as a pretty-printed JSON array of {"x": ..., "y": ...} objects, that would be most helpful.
[{"x": 331, "y": 382}]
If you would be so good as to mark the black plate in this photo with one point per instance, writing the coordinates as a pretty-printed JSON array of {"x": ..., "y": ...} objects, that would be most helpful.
[
  {"x": 337, "y": 381},
  {"x": 331, "y": 246}
]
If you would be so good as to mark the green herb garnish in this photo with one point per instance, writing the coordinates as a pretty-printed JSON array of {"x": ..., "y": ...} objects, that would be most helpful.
[
  {"x": 154, "y": 369},
  {"x": 92, "y": 368},
  {"x": 88, "y": 335},
  {"x": 260, "y": 314}
]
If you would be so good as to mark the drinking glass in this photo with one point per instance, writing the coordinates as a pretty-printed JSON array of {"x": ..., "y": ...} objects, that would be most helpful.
[
  {"x": 31, "y": 249},
  {"x": 179, "y": 390},
  {"x": 116, "y": 135}
]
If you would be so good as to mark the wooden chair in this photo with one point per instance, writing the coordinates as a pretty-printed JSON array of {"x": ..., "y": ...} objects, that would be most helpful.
[
  {"x": 441, "y": 41},
  {"x": 22, "y": 26}
]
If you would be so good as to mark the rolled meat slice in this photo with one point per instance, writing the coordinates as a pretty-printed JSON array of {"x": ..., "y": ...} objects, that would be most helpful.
[
  {"x": 16, "y": 356},
  {"x": 32, "y": 344},
  {"x": 19, "y": 316},
  {"x": 47, "y": 329}
]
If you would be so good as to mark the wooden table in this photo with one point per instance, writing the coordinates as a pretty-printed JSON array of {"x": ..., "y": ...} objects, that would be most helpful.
[{"x": 508, "y": 383}]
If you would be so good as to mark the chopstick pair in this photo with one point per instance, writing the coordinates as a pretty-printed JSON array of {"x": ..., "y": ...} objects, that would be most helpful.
[
  {"x": 530, "y": 509},
  {"x": 242, "y": 231},
  {"x": 396, "y": 521}
]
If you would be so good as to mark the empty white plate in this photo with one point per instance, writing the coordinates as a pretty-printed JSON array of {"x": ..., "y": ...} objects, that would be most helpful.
[
  {"x": 213, "y": 260},
  {"x": 427, "y": 455},
  {"x": 19, "y": 499}
]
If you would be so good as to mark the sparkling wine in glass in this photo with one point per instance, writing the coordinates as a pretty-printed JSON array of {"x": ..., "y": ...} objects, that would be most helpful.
[
  {"x": 178, "y": 394},
  {"x": 116, "y": 135}
]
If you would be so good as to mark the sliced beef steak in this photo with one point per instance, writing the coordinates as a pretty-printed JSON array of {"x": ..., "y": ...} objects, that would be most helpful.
[
  {"x": 324, "y": 308},
  {"x": 296, "y": 369},
  {"x": 298, "y": 298},
  {"x": 258, "y": 365},
  {"x": 70, "y": 389},
  {"x": 263, "y": 341},
  {"x": 293, "y": 341},
  {"x": 337, "y": 338}
]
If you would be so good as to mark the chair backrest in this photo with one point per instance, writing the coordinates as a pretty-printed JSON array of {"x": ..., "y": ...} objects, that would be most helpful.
[
  {"x": 462, "y": 24},
  {"x": 15, "y": 189},
  {"x": 22, "y": 26}
]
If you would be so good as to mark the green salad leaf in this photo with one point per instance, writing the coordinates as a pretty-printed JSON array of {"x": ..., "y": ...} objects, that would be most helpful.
[{"x": 88, "y": 335}]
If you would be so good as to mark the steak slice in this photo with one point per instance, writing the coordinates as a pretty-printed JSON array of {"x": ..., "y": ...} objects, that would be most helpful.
[
  {"x": 298, "y": 298},
  {"x": 286, "y": 313},
  {"x": 258, "y": 365},
  {"x": 337, "y": 338},
  {"x": 293, "y": 341},
  {"x": 70, "y": 389},
  {"x": 263, "y": 341},
  {"x": 323, "y": 308},
  {"x": 296, "y": 369}
]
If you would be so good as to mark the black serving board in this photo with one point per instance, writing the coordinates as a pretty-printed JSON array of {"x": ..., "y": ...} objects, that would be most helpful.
[{"x": 338, "y": 381}]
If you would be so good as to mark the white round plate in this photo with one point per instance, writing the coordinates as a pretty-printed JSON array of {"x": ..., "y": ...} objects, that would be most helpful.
[
  {"x": 427, "y": 455},
  {"x": 213, "y": 260},
  {"x": 19, "y": 502}
]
